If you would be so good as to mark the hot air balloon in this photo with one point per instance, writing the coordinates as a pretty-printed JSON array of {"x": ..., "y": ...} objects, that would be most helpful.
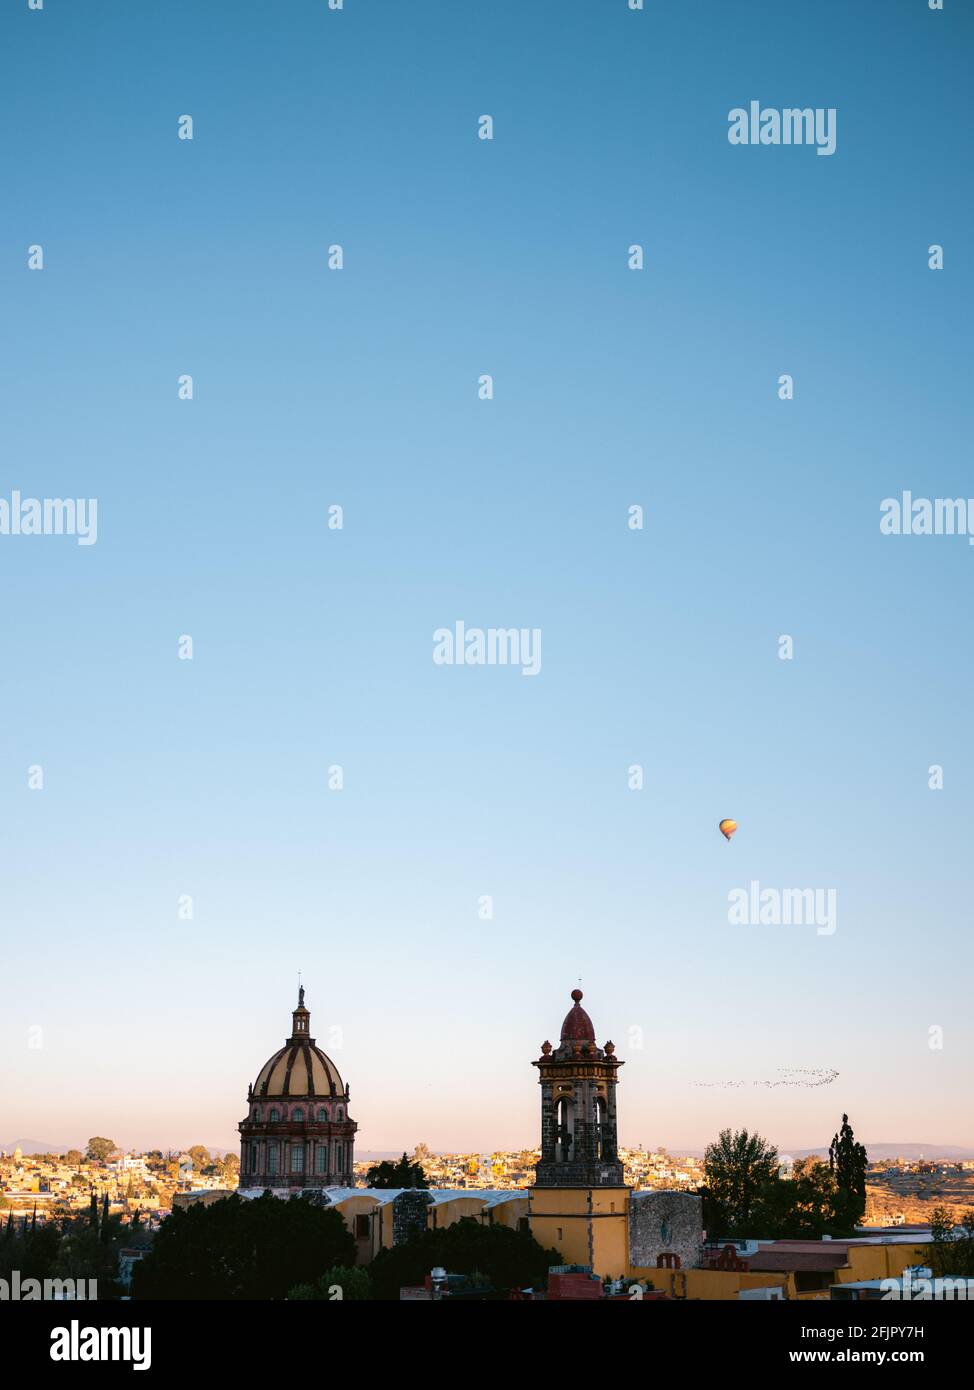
[{"x": 727, "y": 828}]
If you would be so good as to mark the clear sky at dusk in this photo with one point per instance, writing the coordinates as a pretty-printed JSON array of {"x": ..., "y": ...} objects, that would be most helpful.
[{"x": 313, "y": 647}]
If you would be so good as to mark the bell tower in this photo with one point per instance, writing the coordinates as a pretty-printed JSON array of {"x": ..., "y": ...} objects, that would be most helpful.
[{"x": 579, "y": 1144}]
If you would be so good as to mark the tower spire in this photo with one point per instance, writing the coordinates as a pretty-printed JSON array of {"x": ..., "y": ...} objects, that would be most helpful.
[
  {"x": 301, "y": 1017},
  {"x": 578, "y": 1080}
]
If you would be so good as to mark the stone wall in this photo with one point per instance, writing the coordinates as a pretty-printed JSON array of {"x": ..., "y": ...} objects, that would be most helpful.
[
  {"x": 409, "y": 1214},
  {"x": 663, "y": 1223}
]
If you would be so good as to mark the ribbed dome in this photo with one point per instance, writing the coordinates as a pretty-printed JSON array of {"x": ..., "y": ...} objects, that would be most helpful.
[
  {"x": 577, "y": 1027},
  {"x": 300, "y": 1068}
]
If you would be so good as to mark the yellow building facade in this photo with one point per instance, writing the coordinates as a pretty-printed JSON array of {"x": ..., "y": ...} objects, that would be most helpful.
[{"x": 587, "y": 1225}]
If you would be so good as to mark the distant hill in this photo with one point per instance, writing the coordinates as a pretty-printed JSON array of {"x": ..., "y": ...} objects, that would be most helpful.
[
  {"x": 41, "y": 1146},
  {"x": 877, "y": 1152},
  {"x": 37, "y": 1146}
]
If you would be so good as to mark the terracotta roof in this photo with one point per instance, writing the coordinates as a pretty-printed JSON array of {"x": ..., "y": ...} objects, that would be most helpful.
[
  {"x": 796, "y": 1247},
  {"x": 577, "y": 1027},
  {"x": 776, "y": 1260}
]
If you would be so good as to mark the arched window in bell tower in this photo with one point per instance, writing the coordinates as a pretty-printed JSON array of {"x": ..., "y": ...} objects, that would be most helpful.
[
  {"x": 599, "y": 1126},
  {"x": 563, "y": 1130}
]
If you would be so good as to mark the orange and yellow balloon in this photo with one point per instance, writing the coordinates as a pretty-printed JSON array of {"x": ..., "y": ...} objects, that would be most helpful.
[{"x": 727, "y": 828}]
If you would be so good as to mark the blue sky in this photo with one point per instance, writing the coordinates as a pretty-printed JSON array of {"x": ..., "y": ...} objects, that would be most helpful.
[{"x": 314, "y": 647}]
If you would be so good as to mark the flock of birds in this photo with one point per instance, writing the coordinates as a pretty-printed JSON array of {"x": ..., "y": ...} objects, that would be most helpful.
[{"x": 788, "y": 1076}]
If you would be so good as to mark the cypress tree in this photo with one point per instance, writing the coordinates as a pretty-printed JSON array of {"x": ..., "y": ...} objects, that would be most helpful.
[{"x": 847, "y": 1160}]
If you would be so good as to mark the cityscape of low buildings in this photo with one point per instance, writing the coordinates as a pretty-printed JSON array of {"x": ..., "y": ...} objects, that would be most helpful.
[
  {"x": 515, "y": 1168},
  {"x": 64, "y": 1183},
  {"x": 899, "y": 1192},
  {"x": 623, "y": 1219}
]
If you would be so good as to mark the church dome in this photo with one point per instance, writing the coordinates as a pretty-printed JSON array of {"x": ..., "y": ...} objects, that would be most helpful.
[
  {"x": 577, "y": 1026},
  {"x": 299, "y": 1068}
]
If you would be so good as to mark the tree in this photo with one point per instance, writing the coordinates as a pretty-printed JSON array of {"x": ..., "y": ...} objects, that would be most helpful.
[
  {"x": 74, "y": 1157},
  {"x": 200, "y": 1155},
  {"x": 847, "y": 1160},
  {"x": 99, "y": 1149},
  {"x": 736, "y": 1168},
  {"x": 64, "y": 1247},
  {"x": 952, "y": 1248},
  {"x": 339, "y": 1284},
  {"x": 506, "y": 1259},
  {"x": 243, "y": 1249},
  {"x": 399, "y": 1174},
  {"x": 87, "y": 1251},
  {"x": 806, "y": 1207}
]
